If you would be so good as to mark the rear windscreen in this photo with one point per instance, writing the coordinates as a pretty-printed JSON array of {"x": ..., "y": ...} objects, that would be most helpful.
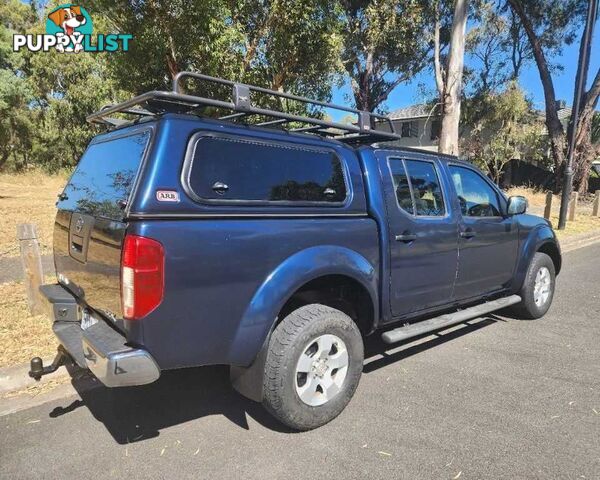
[{"x": 105, "y": 174}]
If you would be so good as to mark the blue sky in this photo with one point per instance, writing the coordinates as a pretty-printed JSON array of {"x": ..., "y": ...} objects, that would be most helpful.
[{"x": 410, "y": 93}]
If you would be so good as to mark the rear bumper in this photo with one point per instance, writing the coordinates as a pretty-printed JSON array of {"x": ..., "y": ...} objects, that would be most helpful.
[{"x": 99, "y": 347}]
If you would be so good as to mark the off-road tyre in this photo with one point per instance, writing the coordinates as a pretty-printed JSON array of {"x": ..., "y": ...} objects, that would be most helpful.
[
  {"x": 288, "y": 342},
  {"x": 528, "y": 308}
]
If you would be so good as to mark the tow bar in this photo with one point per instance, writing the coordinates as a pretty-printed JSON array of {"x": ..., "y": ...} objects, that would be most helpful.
[{"x": 37, "y": 369}]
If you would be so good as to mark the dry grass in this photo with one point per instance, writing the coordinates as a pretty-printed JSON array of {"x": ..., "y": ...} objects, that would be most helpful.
[
  {"x": 536, "y": 198},
  {"x": 38, "y": 388},
  {"x": 583, "y": 223},
  {"x": 28, "y": 198},
  {"x": 22, "y": 336}
]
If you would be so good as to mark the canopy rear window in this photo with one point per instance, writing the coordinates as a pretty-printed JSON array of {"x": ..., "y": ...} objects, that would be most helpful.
[{"x": 105, "y": 175}]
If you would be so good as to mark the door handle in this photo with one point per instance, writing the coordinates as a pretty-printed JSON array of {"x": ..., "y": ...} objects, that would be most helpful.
[
  {"x": 220, "y": 187},
  {"x": 406, "y": 237},
  {"x": 467, "y": 233}
]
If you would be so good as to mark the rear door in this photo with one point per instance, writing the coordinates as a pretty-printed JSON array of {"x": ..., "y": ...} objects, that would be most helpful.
[
  {"x": 90, "y": 227},
  {"x": 488, "y": 242},
  {"x": 423, "y": 232}
]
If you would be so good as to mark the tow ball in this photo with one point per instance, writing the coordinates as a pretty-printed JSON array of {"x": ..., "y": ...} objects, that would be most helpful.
[{"x": 37, "y": 369}]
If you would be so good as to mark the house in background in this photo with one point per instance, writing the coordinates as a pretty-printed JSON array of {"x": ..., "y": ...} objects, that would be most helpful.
[{"x": 419, "y": 125}]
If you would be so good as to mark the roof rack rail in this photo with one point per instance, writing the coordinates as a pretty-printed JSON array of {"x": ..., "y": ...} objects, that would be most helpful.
[{"x": 157, "y": 102}]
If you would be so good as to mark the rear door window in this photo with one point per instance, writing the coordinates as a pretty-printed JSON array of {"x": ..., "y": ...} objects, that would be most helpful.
[
  {"x": 105, "y": 175},
  {"x": 228, "y": 169},
  {"x": 417, "y": 186}
]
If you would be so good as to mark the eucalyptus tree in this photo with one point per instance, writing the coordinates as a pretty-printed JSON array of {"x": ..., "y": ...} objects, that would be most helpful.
[
  {"x": 449, "y": 74},
  {"x": 384, "y": 44},
  {"x": 550, "y": 25}
]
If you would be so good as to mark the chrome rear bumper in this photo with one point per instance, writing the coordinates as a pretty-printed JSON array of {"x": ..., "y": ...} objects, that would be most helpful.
[
  {"x": 99, "y": 347},
  {"x": 114, "y": 363}
]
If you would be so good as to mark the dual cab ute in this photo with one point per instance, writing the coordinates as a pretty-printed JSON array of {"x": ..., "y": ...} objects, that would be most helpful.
[{"x": 275, "y": 247}]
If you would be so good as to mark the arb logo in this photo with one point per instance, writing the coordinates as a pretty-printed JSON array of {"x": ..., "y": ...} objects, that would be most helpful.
[{"x": 69, "y": 29}]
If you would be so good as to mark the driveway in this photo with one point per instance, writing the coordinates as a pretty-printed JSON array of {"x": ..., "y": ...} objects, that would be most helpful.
[{"x": 496, "y": 399}]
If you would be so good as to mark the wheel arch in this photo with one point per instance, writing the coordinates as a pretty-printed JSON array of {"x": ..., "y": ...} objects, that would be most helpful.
[
  {"x": 294, "y": 281},
  {"x": 540, "y": 239},
  {"x": 552, "y": 250}
]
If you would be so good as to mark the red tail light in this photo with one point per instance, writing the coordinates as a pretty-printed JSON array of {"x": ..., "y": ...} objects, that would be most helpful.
[{"x": 142, "y": 276}]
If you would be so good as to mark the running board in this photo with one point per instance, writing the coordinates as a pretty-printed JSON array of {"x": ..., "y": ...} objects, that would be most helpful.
[{"x": 448, "y": 320}]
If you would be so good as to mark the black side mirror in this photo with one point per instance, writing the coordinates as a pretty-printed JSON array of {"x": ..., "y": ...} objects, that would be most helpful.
[{"x": 517, "y": 205}]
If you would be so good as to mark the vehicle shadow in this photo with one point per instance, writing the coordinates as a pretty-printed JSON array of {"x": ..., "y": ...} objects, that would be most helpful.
[
  {"x": 135, "y": 414},
  {"x": 139, "y": 413}
]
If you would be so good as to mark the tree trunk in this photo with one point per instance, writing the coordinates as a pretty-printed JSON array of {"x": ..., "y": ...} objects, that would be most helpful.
[
  {"x": 585, "y": 152},
  {"x": 453, "y": 81},
  {"x": 555, "y": 129}
]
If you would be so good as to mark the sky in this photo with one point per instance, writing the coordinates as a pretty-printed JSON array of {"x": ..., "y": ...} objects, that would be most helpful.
[{"x": 564, "y": 82}]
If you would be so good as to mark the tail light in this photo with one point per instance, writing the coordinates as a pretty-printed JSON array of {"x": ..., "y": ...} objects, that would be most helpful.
[{"x": 142, "y": 276}]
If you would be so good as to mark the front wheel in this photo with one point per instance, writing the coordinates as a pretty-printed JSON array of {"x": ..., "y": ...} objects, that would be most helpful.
[
  {"x": 538, "y": 288},
  {"x": 313, "y": 367}
]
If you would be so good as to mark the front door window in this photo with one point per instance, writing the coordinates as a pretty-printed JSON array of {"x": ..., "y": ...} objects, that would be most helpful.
[{"x": 476, "y": 197}]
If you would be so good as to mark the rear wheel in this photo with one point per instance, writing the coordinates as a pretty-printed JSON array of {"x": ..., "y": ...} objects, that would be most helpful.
[
  {"x": 538, "y": 288},
  {"x": 313, "y": 367}
]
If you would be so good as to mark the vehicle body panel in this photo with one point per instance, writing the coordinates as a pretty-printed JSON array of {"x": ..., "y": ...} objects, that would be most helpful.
[{"x": 220, "y": 272}]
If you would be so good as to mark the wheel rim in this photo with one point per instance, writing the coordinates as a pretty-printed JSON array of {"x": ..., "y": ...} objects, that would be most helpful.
[
  {"x": 542, "y": 286},
  {"x": 321, "y": 370}
]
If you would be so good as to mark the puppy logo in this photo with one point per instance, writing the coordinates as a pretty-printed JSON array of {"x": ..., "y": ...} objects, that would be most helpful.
[
  {"x": 69, "y": 23},
  {"x": 69, "y": 29}
]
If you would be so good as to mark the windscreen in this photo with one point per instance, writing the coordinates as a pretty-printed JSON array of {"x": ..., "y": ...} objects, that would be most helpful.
[{"x": 105, "y": 175}]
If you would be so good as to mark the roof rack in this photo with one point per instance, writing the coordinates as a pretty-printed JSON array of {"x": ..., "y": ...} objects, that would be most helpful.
[{"x": 240, "y": 107}]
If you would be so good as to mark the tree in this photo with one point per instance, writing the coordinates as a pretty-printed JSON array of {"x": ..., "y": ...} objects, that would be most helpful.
[
  {"x": 486, "y": 43},
  {"x": 169, "y": 37},
  {"x": 278, "y": 44},
  {"x": 44, "y": 98},
  {"x": 384, "y": 44},
  {"x": 449, "y": 79},
  {"x": 518, "y": 46},
  {"x": 584, "y": 152},
  {"x": 291, "y": 45},
  {"x": 549, "y": 25},
  {"x": 16, "y": 123},
  {"x": 595, "y": 130},
  {"x": 507, "y": 129}
]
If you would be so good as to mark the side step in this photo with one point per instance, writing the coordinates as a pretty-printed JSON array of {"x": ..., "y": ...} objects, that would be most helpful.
[{"x": 448, "y": 320}]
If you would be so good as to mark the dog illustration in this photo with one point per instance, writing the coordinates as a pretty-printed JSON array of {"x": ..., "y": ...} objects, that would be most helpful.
[{"x": 68, "y": 18}]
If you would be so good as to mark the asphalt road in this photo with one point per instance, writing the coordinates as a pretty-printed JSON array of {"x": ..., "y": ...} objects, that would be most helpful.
[{"x": 499, "y": 398}]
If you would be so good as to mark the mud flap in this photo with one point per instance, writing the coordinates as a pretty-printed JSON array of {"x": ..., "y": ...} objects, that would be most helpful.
[{"x": 249, "y": 380}]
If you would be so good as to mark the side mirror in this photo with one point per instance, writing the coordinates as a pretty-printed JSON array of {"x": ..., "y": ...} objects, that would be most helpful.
[{"x": 517, "y": 205}]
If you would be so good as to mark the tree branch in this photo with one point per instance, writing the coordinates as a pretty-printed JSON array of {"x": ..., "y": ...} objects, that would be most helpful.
[
  {"x": 439, "y": 73},
  {"x": 553, "y": 124}
]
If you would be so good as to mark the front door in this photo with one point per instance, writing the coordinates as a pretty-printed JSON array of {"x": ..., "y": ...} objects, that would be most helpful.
[
  {"x": 423, "y": 233},
  {"x": 488, "y": 243}
]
